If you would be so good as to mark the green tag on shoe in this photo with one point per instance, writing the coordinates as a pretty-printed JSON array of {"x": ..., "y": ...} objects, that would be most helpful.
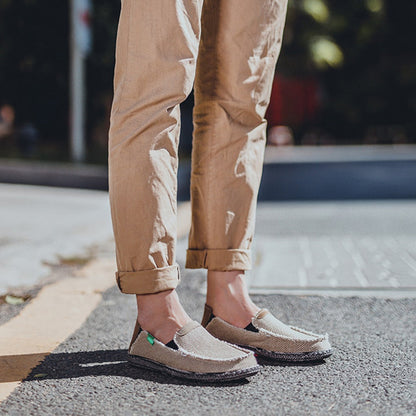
[{"x": 151, "y": 339}]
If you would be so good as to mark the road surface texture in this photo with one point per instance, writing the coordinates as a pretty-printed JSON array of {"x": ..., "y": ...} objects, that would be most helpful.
[{"x": 344, "y": 268}]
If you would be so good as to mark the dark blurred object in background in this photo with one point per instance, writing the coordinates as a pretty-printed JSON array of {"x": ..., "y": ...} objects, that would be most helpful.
[
  {"x": 7, "y": 130},
  {"x": 280, "y": 136},
  {"x": 294, "y": 101},
  {"x": 24, "y": 137},
  {"x": 27, "y": 139},
  {"x": 6, "y": 121}
]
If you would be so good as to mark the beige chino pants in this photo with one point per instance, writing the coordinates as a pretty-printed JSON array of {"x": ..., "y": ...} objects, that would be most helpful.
[{"x": 228, "y": 50}]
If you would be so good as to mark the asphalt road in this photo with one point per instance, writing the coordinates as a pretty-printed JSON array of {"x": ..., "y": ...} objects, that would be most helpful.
[{"x": 372, "y": 371}]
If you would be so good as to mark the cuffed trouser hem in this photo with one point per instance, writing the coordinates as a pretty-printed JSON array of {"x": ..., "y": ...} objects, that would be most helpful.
[
  {"x": 145, "y": 282},
  {"x": 218, "y": 259}
]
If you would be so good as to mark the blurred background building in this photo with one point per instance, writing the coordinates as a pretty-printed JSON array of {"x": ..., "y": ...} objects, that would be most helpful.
[{"x": 346, "y": 76}]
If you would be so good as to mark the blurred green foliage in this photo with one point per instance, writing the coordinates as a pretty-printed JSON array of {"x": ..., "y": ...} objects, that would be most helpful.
[
  {"x": 361, "y": 51},
  {"x": 363, "y": 54}
]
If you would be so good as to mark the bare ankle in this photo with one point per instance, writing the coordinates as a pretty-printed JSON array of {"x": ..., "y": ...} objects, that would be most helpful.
[
  {"x": 161, "y": 314},
  {"x": 227, "y": 294}
]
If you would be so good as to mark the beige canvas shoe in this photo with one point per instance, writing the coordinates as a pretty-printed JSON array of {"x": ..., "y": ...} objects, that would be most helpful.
[
  {"x": 269, "y": 337},
  {"x": 193, "y": 354}
]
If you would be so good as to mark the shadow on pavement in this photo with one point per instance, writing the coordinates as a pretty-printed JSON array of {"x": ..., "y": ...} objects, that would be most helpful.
[
  {"x": 105, "y": 363},
  {"x": 114, "y": 363}
]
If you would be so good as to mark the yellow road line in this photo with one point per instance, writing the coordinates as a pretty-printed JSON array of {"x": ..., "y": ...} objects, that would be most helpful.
[{"x": 57, "y": 311}]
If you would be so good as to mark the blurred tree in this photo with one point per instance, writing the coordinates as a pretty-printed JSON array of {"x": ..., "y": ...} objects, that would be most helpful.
[{"x": 362, "y": 52}]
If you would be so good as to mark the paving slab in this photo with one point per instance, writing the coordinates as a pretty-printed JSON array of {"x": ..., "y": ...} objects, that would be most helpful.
[{"x": 360, "y": 247}]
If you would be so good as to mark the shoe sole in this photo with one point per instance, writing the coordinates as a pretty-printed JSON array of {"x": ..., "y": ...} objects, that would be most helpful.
[
  {"x": 208, "y": 377},
  {"x": 299, "y": 357}
]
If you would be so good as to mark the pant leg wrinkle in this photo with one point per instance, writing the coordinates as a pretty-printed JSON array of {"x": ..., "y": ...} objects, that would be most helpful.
[
  {"x": 239, "y": 47},
  {"x": 156, "y": 51}
]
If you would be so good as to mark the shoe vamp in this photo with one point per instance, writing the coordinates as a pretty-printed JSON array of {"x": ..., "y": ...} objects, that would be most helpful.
[
  {"x": 271, "y": 324},
  {"x": 201, "y": 343},
  {"x": 180, "y": 360}
]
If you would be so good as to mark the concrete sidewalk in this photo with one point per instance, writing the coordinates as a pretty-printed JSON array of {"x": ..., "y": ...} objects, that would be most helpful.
[
  {"x": 42, "y": 226},
  {"x": 358, "y": 249}
]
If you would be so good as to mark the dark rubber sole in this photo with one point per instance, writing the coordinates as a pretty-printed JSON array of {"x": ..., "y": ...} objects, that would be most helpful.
[
  {"x": 299, "y": 357},
  {"x": 206, "y": 377}
]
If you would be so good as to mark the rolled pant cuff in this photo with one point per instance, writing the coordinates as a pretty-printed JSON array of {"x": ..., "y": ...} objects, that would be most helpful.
[
  {"x": 145, "y": 282},
  {"x": 218, "y": 259}
]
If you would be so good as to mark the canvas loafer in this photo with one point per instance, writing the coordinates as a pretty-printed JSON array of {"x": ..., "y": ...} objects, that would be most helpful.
[
  {"x": 270, "y": 338},
  {"x": 193, "y": 354}
]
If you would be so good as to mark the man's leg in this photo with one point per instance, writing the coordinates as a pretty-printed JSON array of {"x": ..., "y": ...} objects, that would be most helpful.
[
  {"x": 240, "y": 44},
  {"x": 157, "y": 45}
]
